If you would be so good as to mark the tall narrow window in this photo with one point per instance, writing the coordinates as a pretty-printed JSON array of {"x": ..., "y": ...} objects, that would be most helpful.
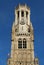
[
  {"x": 26, "y": 14},
  {"x": 28, "y": 29},
  {"x": 22, "y": 13},
  {"x": 9, "y": 61},
  {"x": 19, "y": 43},
  {"x": 18, "y": 14},
  {"x": 24, "y": 43}
]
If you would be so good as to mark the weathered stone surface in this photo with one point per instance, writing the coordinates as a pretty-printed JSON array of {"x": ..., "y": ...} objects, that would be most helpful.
[{"x": 22, "y": 29}]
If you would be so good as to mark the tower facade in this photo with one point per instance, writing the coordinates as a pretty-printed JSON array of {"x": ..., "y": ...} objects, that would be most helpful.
[{"x": 22, "y": 43}]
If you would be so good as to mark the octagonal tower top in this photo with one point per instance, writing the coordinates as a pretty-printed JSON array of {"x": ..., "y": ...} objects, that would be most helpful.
[
  {"x": 23, "y": 7},
  {"x": 22, "y": 13}
]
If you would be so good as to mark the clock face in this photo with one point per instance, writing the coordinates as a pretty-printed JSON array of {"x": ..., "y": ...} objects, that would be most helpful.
[{"x": 22, "y": 22}]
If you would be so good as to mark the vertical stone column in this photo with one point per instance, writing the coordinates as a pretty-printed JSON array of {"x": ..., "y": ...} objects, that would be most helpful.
[
  {"x": 32, "y": 50},
  {"x": 25, "y": 16},
  {"x": 16, "y": 17},
  {"x": 28, "y": 18},
  {"x": 19, "y": 13},
  {"x": 12, "y": 48}
]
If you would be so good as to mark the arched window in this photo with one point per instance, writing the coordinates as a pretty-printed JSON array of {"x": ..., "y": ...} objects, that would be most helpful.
[
  {"x": 24, "y": 43},
  {"x": 22, "y": 13},
  {"x": 20, "y": 43}
]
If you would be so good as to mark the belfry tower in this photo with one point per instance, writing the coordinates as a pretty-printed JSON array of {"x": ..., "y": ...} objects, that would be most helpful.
[{"x": 22, "y": 47}]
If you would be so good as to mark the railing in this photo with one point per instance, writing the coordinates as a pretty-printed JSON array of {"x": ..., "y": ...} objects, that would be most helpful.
[
  {"x": 34, "y": 62},
  {"x": 22, "y": 34}
]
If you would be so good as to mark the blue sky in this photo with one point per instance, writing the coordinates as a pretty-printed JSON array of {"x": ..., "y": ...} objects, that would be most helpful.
[{"x": 7, "y": 9}]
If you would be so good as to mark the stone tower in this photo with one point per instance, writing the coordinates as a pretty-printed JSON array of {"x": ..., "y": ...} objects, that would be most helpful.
[{"x": 22, "y": 47}]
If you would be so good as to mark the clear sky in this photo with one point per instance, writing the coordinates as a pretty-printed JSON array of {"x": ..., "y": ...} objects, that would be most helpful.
[{"x": 7, "y": 9}]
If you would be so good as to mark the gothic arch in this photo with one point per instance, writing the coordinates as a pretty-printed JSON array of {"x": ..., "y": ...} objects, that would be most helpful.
[
  {"x": 19, "y": 43},
  {"x": 24, "y": 43}
]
